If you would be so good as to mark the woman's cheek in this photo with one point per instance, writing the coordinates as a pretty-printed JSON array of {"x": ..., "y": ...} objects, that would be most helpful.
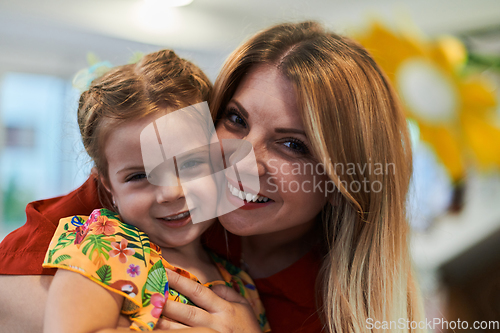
[{"x": 302, "y": 182}]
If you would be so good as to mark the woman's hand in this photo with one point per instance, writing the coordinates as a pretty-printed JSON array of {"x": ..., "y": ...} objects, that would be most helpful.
[{"x": 220, "y": 308}]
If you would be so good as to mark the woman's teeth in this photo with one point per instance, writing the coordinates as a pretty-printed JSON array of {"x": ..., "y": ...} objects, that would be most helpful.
[
  {"x": 249, "y": 197},
  {"x": 177, "y": 217}
]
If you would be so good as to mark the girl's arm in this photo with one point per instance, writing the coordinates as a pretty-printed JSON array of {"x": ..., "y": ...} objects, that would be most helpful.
[{"x": 78, "y": 305}]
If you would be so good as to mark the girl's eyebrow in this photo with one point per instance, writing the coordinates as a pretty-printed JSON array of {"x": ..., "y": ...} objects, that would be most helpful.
[{"x": 132, "y": 168}]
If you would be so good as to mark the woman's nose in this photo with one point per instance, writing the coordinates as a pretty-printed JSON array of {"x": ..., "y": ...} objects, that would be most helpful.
[
  {"x": 260, "y": 153},
  {"x": 166, "y": 194}
]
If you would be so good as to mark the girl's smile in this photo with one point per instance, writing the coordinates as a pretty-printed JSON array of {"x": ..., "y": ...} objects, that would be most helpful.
[{"x": 163, "y": 212}]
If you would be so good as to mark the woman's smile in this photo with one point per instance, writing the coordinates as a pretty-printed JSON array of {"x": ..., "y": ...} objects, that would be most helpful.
[{"x": 263, "y": 111}]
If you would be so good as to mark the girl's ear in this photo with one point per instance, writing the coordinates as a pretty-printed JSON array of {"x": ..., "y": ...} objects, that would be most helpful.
[
  {"x": 105, "y": 183},
  {"x": 104, "y": 180}
]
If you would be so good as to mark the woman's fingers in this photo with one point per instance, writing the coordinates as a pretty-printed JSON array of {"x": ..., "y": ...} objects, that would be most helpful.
[
  {"x": 228, "y": 294},
  {"x": 197, "y": 293},
  {"x": 165, "y": 324},
  {"x": 187, "y": 314}
]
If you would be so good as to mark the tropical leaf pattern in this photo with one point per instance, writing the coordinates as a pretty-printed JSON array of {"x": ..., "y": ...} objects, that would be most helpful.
[{"x": 126, "y": 262}]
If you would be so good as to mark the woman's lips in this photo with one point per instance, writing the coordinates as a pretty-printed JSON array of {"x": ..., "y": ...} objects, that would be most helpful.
[
  {"x": 247, "y": 205},
  {"x": 248, "y": 196}
]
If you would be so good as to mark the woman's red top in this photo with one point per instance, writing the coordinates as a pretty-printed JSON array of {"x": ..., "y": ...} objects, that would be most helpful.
[{"x": 288, "y": 296}]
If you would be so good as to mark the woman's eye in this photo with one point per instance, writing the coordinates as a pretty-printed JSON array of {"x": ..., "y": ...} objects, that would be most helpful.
[
  {"x": 296, "y": 146},
  {"x": 136, "y": 177},
  {"x": 233, "y": 116}
]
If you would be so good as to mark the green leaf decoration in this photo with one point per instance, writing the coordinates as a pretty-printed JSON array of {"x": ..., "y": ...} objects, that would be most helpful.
[
  {"x": 136, "y": 240},
  {"x": 146, "y": 298},
  {"x": 66, "y": 227},
  {"x": 138, "y": 256},
  {"x": 129, "y": 238},
  {"x": 157, "y": 278},
  {"x": 110, "y": 214},
  {"x": 242, "y": 288},
  {"x": 97, "y": 242},
  {"x": 61, "y": 258},
  {"x": 129, "y": 232},
  {"x": 104, "y": 273},
  {"x": 49, "y": 258},
  {"x": 64, "y": 240},
  {"x": 179, "y": 297}
]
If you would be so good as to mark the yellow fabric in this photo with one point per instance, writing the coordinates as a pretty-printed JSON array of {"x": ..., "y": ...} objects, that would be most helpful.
[{"x": 120, "y": 258}]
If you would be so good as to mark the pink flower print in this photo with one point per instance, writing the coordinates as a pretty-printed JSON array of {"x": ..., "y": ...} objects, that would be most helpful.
[
  {"x": 122, "y": 250},
  {"x": 158, "y": 301},
  {"x": 133, "y": 270},
  {"x": 80, "y": 233},
  {"x": 95, "y": 214},
  {"x": 103, "y": 225}
]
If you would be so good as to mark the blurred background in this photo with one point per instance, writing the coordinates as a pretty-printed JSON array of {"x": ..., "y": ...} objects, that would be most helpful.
[{"x": 442, "y": 56}]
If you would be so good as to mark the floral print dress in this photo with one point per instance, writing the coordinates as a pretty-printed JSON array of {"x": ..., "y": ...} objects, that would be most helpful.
[{"x": 120, "y": 258}]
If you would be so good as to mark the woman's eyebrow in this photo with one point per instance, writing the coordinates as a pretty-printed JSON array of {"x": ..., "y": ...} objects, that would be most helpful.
[
  {"x": 243, "y": 111},
  {"x": 289, "y": 130}
]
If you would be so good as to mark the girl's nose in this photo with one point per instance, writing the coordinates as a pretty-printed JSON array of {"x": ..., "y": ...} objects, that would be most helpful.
[{"x": 166, "y": 194}]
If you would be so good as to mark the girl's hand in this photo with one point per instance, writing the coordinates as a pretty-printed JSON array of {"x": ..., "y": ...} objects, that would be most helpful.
[{"x": 221, "y": 309}]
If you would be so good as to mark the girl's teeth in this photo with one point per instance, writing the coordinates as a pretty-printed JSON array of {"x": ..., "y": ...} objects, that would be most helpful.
[
  {"x": 177, "y": 217},
  {"x": 246, "y": 196}
]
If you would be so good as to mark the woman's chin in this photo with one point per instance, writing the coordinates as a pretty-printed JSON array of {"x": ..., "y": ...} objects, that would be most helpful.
[{"x": 237, "y": 226}]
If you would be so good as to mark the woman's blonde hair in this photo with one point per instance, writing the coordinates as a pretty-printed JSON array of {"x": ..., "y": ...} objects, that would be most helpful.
[
  {"x": 159, "y": 80},
  {"x": 353, "y": 118}
]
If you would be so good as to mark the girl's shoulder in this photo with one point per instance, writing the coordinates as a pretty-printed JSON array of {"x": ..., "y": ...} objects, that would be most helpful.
[
  {"x": 101, "y": 223},
  {"x": 115, "y": 255},
  {"x": 103, "y": 248}
]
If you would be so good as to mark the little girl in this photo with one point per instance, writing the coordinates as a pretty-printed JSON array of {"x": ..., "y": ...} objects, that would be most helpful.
[{"x": 115, "y": 260}]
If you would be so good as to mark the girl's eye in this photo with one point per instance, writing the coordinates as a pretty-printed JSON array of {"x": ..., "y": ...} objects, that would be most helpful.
[
  {"x": 296, "y": 146},
  {"x": 190, "y": 164},
  {"x": 233, "y": 116},
  {"x": 136, "y": 177}
]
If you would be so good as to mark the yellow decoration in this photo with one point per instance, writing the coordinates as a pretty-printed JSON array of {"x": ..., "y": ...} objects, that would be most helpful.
[{"x": 454, "y": 114}]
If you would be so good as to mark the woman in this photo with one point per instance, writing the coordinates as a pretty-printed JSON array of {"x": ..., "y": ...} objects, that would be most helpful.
[{"x": 318, "y": 110}]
